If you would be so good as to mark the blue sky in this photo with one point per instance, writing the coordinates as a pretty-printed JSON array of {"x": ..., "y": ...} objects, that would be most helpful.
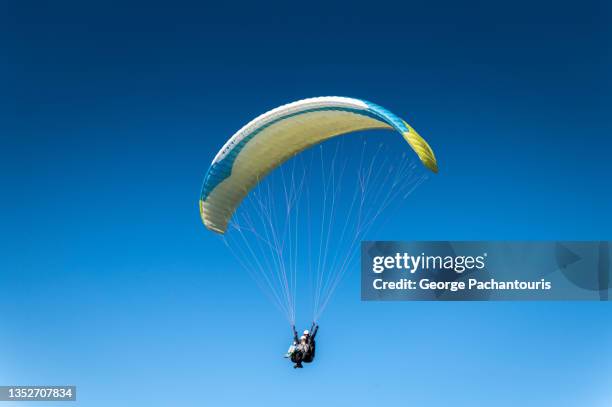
[{"x": 111, "y": 112}]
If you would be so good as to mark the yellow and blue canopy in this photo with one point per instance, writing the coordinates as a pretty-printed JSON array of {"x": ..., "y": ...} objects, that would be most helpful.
[{"x": 269, "y": 140}]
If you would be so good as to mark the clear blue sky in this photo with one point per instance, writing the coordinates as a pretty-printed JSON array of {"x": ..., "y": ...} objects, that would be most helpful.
[{"x": 110, "y": 113}]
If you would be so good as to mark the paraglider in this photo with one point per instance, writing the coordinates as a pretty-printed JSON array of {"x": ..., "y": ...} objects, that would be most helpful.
[
  {"x": 274, "y": 231},
  {"x": 304, "y": 348}
]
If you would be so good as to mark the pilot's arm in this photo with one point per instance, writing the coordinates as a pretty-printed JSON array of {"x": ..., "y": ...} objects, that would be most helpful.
[
  {"x": 314, "y": 331},
  {"x": 295, "y": 337}
]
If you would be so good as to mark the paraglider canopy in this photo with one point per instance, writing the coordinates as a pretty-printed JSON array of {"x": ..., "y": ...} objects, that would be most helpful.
[
  {"x": 272, "y": 138},
  {"x": 295, "y": 215}
]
